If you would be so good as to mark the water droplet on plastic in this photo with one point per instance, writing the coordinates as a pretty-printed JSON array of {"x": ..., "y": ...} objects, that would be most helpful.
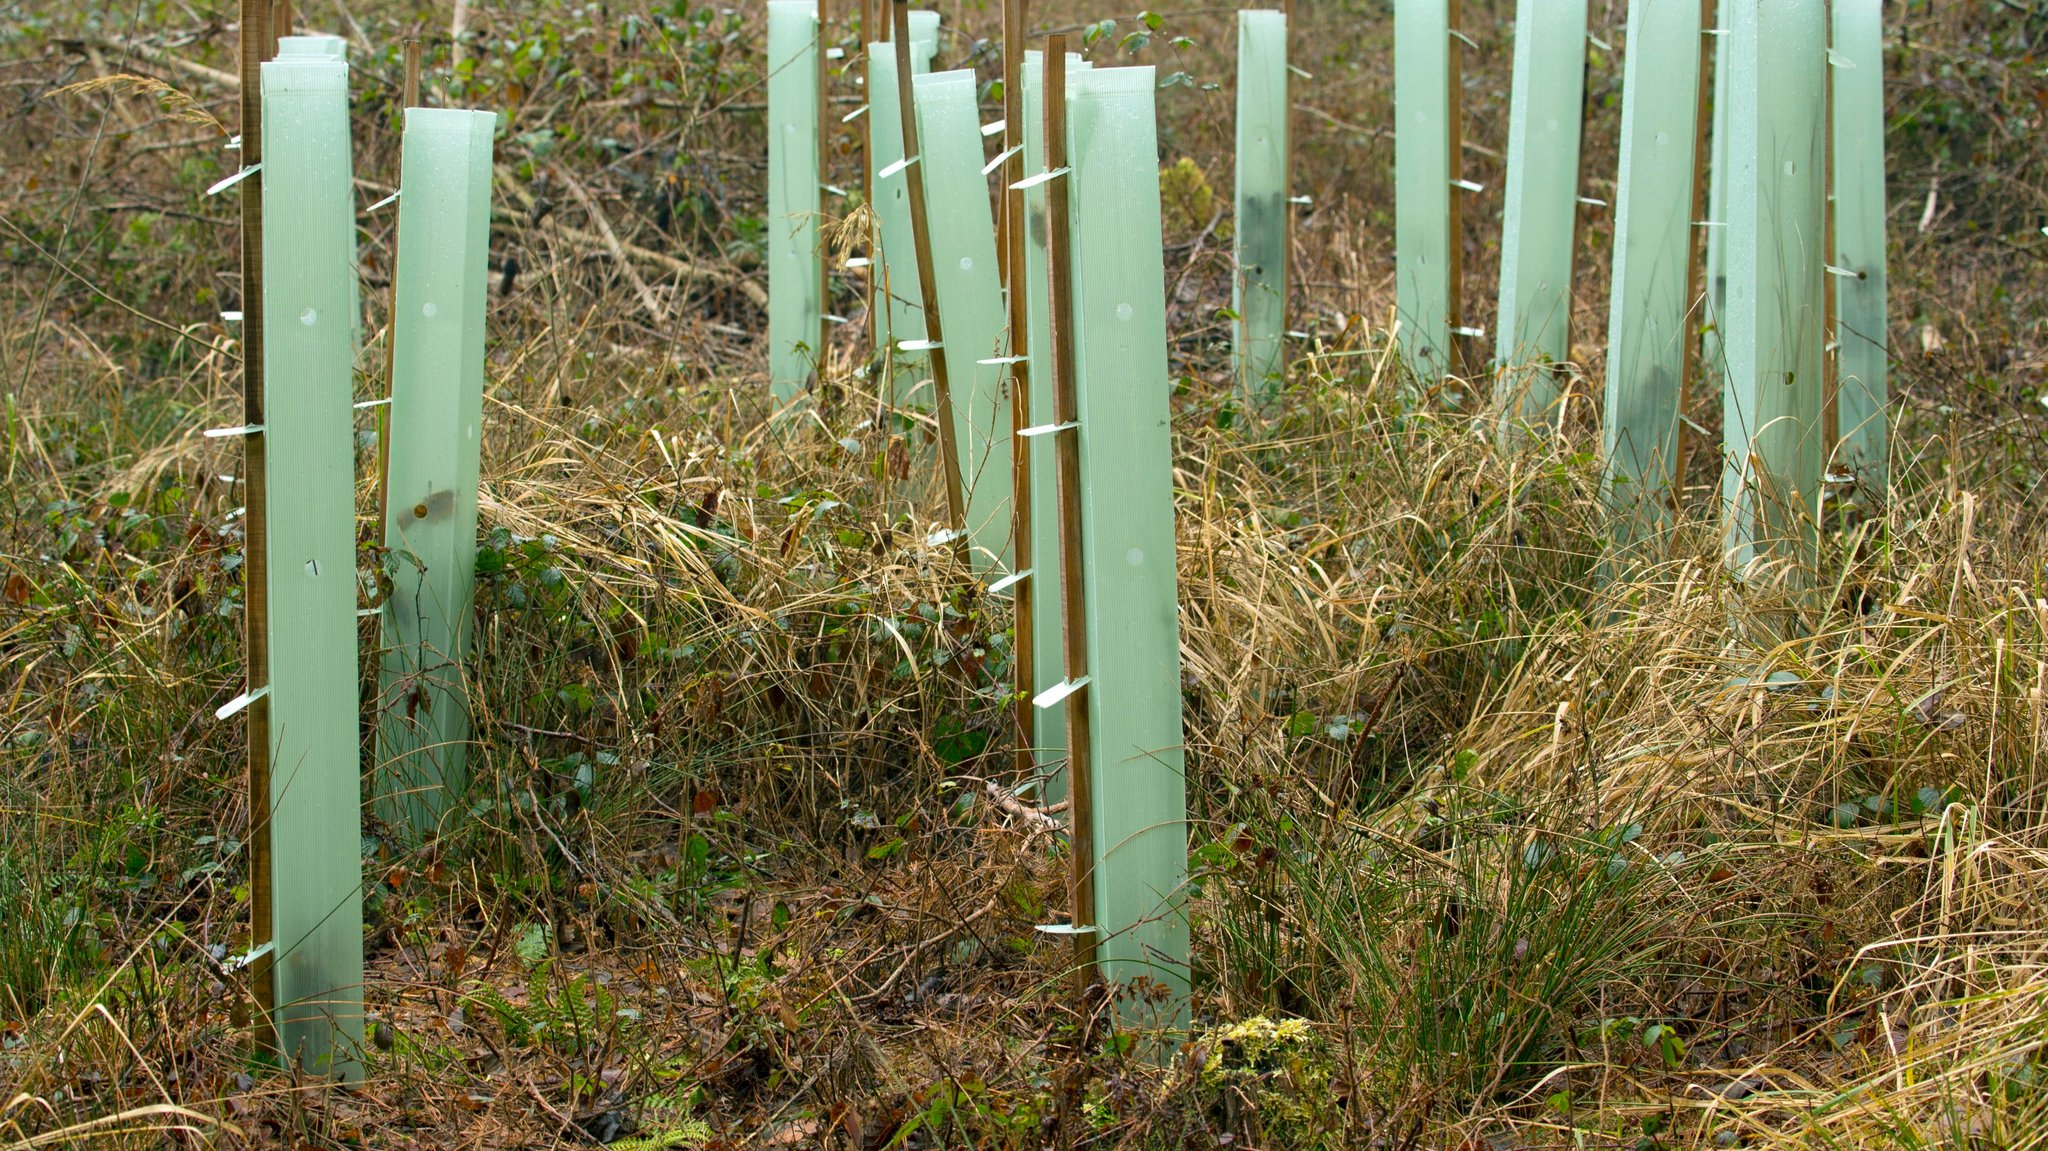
[
  {"x": 1123, "y": 311},
  {"x": 427, "y": 309},
  {"x": 308, "y": 317},
  {"x": 1135, "y": 557},
  {"x": 967, "y": 263}
]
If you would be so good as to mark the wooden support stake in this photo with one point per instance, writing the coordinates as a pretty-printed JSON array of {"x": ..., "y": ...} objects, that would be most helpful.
[
  {"x": 1695, "y": 364},
  {"x": 1454, "y": 149},
  {"x": 920, "y": 235},
  {"x": 1024, "y": 628},
  {"x": 257, "y": 45},
  {"x": 411, "y": 99},
  {"x": 1073, "y": 591},
  {"x": 864, "y": 124},
  {"x": 1040, "y": 452},
  {"x": 1713, "y": 224},
  {"x": 821, "y": 258}
]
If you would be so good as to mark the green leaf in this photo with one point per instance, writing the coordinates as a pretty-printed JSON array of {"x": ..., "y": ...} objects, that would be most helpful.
[
  {"x": 531, "y": 945},
  {"x": 955, "y": 743}
]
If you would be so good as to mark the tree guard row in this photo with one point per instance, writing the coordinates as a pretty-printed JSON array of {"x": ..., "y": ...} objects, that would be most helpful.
[
  {"x": 1790, "y": 317},
  {"x": 303, "y": 327}
]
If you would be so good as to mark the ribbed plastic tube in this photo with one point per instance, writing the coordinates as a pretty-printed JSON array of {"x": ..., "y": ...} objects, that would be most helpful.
[
  {"x": 310, "y": 310},
  {"x": 444, "y": 222}
]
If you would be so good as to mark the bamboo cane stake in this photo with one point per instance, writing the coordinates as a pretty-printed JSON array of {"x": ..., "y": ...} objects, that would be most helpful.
[{"x": 956, "y": 508}]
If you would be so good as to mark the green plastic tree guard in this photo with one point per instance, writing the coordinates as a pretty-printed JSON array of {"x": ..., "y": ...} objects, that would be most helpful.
[
  {"x": 899, "y": 298},
  {"x": 1133, "y": 608},
  {"x": 924, "y": 40},
  {"x": 1713, "y": 364},
  {"x": 1259, "y": 289},
  {"x": 1648, "y": 336},
  {"x": 1540, "y": 212},
  {"x": 795, "y": 199},
  {"x": 1861, "y": 321},
  {"x": 963, "y": 239},
  {"x": 1049, "y": 734},
  {"x": 310, "y": 304},
  {"x": 1423, "y": 171},
  {"x": 1772, "y": 398},
  {"x": 444, "y": 231}
]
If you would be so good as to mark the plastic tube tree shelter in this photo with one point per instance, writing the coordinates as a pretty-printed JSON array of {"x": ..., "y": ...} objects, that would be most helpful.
[
  {"x": 1428, "y": 260},
  {"x": 1539, "y": 215},
  {"x": 309, "y": 344},
  {"x": 1772, "y": 407},
  {"x": 1127, "y": 601},
  {"x": 965, "y": 275},
  {"x": 1049, "y": 728},
  {"x": 444, "y": 222},
  {"x": 1259, "y": 287},
  {"x": 898, "y": 315},
  {"x": 1649, "y": 336},
  {"x": 1862, "y": 324},
  {"x": 796, "y": 305}
]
